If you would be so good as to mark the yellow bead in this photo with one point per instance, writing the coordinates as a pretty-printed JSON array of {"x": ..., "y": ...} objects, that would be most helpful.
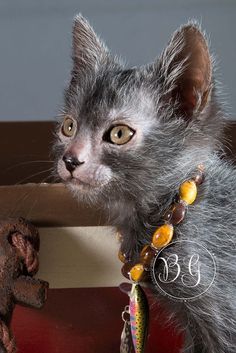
[
  {"x": 188, "y": 191},
  {"x": 137, "y": 272},
  {"x": 162, "y": 236}
]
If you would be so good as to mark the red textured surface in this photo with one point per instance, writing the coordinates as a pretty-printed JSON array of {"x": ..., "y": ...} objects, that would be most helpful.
[{"x": 83, "y": 321}]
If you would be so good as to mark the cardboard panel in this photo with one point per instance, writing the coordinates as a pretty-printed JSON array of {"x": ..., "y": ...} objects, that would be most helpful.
[{"x": 77, "y": 257}]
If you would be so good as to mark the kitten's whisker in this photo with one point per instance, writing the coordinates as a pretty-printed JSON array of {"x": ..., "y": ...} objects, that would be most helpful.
[
  {"x": 26, "y": 163},
  {"x": 48, "y": 177},
  {"x": 35, "y": 174},
  {"x": 34, "y": 202},
  {"x": 20, "y": 202}
]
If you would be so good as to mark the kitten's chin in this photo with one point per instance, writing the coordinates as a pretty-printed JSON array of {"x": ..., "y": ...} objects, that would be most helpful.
[{"x": 84, "y": 191}]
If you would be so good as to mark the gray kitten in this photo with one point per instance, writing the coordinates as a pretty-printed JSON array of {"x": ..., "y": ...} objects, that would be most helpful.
[{"x": 129, "y": 138}]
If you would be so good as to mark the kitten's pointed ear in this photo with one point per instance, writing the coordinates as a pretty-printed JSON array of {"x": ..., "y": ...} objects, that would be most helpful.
[
  {"x": 186, "y": 70},
  {"x": 88, "y": 51}
]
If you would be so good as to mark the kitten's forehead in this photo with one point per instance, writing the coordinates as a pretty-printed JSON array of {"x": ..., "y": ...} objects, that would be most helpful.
[
  {"x": 110, "y": 88},
  {"x": 117, "y": 97},
  {"x": 137, "y": 107}
]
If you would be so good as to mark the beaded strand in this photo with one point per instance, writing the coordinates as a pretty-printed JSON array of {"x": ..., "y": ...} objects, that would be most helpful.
[{"x": 164, "y": 233}]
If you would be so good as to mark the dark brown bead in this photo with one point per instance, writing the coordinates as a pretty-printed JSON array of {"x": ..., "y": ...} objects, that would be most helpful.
[
  {"x": 146, "y": 256},
  {"x": 168, "y": 214},
  {"x": 178, "y": 213},
  {"x": 125, "y": 270},
  {"x": 199, "y": 177}
]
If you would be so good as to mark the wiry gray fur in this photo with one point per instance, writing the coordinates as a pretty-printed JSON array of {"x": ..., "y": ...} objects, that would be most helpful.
[{"x": 144, "y": 178}]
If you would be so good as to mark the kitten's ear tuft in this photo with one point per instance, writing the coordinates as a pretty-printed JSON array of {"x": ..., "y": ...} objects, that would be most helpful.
[
  {"x": 186, "y": 70},
  {"x": 88, "y": 50}
]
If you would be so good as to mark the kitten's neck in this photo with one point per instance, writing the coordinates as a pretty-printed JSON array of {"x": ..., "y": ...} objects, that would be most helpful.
[
  {"x": 137, "y": 218},
  {"x": 136, "y": 221}
]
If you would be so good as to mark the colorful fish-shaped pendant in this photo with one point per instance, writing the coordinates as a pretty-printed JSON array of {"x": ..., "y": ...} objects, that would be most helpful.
[{"x": 139, "y": 314}]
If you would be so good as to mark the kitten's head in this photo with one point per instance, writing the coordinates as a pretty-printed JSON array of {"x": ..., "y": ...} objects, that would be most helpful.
[{"x": 127, "y": 133}]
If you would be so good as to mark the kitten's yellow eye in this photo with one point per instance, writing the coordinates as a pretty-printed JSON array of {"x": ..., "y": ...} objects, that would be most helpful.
[
  {"x": 68, "y": 127},
  {"x": 120, "y": 134}
]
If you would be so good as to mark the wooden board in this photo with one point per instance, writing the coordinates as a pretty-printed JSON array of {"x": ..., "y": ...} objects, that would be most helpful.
[{"x": 45, "y": 205}]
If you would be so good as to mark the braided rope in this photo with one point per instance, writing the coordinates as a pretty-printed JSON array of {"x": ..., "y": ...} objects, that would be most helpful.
[
  {"x": 24, "y": 238},
  {"x": 27, "y": 252},
  {"x": 7, "y": 339}
]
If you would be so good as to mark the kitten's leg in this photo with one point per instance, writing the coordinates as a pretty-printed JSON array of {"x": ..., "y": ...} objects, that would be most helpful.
[{"x": 204, "y": 333}]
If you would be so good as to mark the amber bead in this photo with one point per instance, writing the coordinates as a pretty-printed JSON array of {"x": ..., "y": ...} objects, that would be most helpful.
[
  {"x": 178, "y": 213},
  {"x": 162, "y": 236},
  {"x": 137, "y": 273},
  {"x": 146, "y": 256},
  {"x": 125, "y": 270},
  {"x": 188, "y": 191},
  {"x": 122, "y": 257}
]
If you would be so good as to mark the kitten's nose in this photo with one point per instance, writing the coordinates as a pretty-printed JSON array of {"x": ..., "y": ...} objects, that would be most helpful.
[{"x": 71, "y": 162}]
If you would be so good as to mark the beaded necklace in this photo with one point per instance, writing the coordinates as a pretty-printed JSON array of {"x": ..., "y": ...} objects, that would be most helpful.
[
  {"x": 164, "y": 233},
  {"x": 162, "y": 236}
]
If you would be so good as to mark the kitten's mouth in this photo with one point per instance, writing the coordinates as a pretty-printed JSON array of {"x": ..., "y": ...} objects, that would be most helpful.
[
  {"x": 81, "y": 184},
  {"x": 84, "y": 182}
]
